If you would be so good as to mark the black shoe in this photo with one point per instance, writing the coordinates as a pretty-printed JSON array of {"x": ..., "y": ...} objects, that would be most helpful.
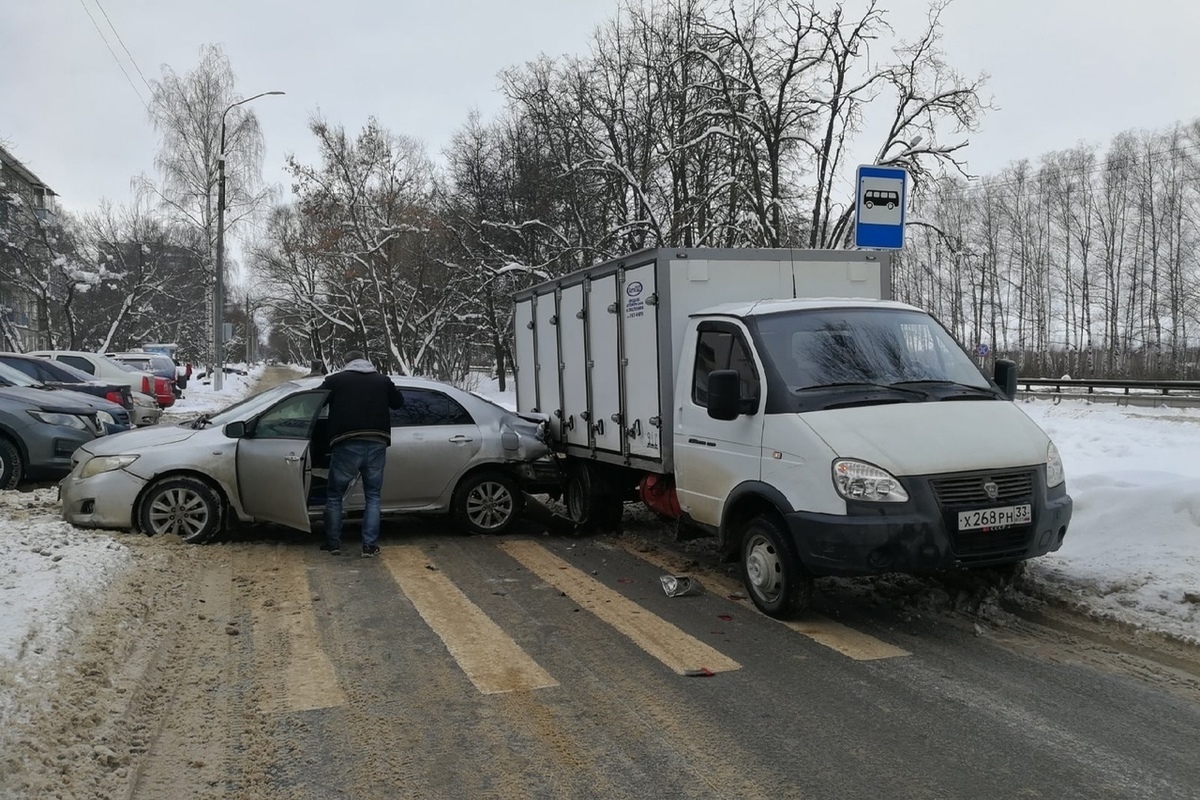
[
  {"x": 370, "y": 551},
  {"x": 332, "y": 549}
]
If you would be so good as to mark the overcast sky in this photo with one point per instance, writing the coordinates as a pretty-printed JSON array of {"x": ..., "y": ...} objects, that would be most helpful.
[{"x": 1061, "y": 70}]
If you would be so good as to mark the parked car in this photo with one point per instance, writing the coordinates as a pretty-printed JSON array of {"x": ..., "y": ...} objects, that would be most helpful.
[
  {"x": 60, "y": 376},
  {"x": 39, "y": 431},
  {"x": 112, "y": 416},
  {"x": 161, "y": 366},
  {"x": 267, "y": 458},
  {"x": 105, "y": 368}
]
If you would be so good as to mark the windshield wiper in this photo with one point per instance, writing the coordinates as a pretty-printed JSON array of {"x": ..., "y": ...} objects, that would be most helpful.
[
  {"x": 887, "y": 387},
  {"x": 955, "y": 384},
  {"x": 201, "y": 421}
]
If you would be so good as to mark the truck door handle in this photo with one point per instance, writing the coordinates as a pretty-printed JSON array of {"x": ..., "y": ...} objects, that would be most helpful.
[
  {"x": 460, "y": 439},
  {"x": 291, "y": 457}
]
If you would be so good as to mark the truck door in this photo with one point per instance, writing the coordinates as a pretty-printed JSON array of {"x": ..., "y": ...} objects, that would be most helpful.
[
  {"x": 639, "y": 323},
  {"x": 603, "y": 309},
  {"x": 713, "y": 456}
]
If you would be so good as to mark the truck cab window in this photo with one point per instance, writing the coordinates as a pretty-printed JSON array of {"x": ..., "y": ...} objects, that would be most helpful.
[{"x": 723, "y": 349}]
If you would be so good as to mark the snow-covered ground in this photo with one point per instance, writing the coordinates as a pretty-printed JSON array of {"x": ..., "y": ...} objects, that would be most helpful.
[{"x": 1132, "y": 553}]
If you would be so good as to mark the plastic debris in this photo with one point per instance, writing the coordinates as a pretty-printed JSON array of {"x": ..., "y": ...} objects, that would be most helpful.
[
  {"x": 702, "y": 672},
  {"x": 726, "y": 617},
  {"x": 680, "y": 585}
]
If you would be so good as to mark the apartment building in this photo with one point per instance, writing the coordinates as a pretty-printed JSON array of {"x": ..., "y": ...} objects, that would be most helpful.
[{"x": 21, "y": 192}]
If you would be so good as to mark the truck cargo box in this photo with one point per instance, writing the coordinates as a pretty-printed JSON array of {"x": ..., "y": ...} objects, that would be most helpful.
[{"x": 597, "y": 350}]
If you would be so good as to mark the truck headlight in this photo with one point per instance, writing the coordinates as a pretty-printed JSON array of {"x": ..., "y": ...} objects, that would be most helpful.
[
  {"x": 101, "y": 464},
  {"x": 64, "y": 420},
  {"x": 858, "y": 480},
  {"x": 1054, "y": 467}
]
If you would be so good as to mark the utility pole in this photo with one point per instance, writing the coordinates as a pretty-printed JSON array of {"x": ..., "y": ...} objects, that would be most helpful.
[{"x": 219, "y": 276}]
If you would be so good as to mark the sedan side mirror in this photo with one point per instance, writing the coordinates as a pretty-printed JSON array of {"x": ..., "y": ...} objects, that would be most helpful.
[
  {"x": 235, "y": 430},
  {"x": 724, "y": 394},
  {"x": 1005, "y": 376}
]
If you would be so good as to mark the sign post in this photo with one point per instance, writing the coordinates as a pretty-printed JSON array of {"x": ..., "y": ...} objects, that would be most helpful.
[{"x": 880, "y": 202}]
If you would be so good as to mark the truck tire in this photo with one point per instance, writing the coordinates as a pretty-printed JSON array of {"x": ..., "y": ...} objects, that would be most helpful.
[
  {"x": 186, "y": 507},
  {"x": 488, "y": 502},
  {"x": 12, "y": 466},
  {"x": 775, "y": 579},
  {"x": 591, "y": 503}
]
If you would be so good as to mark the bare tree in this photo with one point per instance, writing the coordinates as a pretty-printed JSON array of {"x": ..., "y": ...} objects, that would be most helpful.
[{"x": 187, "y": 111}]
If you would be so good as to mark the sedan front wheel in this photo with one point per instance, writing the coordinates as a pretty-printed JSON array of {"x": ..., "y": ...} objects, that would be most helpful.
[
  {"x": 488, "y": 502},
  {"x": 185, "y": 507}
]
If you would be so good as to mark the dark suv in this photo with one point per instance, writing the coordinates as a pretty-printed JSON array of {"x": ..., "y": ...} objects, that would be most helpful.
[{"x": 39, "y": 431}]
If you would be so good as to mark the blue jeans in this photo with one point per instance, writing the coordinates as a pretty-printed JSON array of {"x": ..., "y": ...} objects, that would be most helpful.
[{"x": 351, "y": 457}]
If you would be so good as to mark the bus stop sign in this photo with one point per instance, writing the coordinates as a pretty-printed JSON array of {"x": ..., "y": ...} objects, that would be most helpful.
[{"x": 882, "y": 194}]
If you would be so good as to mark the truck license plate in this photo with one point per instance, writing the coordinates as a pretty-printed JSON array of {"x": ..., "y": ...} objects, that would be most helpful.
[{"x": 992, "y": 518}]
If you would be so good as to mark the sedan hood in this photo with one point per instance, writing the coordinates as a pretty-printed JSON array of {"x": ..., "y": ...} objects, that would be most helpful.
[
  {"x": 932, "y": 438},
  {"x": 135, "y": 441}
]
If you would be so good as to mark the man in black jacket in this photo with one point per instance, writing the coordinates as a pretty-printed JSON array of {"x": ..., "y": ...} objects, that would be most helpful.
[{"x": 360, "y": 430}]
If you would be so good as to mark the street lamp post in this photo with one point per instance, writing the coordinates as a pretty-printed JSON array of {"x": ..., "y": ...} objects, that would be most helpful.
[{"x": 219, "y": 278}]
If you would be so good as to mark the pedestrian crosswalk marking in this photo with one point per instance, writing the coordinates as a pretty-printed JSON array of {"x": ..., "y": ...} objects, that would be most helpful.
[
  {"x": 676, "y": 649},
  {"x": 287, "y": 631},
  {"x": 489, "y": 657},
  {"x": 822, "y": 630}
]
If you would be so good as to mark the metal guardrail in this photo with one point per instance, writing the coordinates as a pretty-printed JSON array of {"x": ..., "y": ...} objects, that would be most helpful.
[{"x": 1111, "y": 386}]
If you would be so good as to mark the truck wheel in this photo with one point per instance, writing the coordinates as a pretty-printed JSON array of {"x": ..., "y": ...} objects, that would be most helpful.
[
  {"x": 11, "y": 465},
  {"x": 775, "y": 580},
  {"x": 590, "y": 502},
  {"x": 186, "y": 507},
  {"x": 488, "y": 503}
]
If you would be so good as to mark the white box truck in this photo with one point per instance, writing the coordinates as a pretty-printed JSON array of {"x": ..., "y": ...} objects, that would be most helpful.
[{"x": 779, "y": 400}]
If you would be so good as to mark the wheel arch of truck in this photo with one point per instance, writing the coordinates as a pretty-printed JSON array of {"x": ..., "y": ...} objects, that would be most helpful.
[{"x": 746, "y": 501}]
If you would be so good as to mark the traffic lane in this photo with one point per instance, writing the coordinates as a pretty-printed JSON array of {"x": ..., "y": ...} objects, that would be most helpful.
[
  {"x": 794, "y": 716},
  {"x": 414, "y": 724},
  {"x": 962, "y": 715}
]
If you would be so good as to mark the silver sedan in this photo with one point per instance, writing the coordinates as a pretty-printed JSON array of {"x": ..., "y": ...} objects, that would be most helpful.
[{"x": 267, "y": 459}]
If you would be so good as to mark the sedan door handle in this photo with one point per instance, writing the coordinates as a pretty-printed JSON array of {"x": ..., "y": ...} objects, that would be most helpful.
[
  {"x": 460, "y": 439},
  {"x": 292, "y": 457}
]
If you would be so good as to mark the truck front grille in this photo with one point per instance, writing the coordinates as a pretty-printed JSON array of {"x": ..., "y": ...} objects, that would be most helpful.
[{"x": 971, "y": 491}]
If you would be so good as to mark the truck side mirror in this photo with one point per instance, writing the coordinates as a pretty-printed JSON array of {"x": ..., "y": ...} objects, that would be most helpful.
[
  {"x": 1005, "y": 376},
  {"x": 724, "y": 394}
]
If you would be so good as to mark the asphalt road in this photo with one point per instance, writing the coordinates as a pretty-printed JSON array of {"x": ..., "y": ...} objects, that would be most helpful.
[{"x": 546, "y": 666}]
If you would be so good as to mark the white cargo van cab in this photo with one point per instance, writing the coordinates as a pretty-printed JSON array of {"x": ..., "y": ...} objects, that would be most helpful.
[{"x": 812, "y": 426}]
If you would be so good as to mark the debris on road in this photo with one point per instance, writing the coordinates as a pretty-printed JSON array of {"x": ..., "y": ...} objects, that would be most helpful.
[{"x": 680, "y": 585}]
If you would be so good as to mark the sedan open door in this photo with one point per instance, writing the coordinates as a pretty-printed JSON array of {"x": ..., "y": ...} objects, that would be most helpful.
[{"x": 274, "y": 467}]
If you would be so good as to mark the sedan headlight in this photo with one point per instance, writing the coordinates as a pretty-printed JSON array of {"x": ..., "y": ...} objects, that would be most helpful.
[
  {"x": 101, "y": 464},
  {"x": 858, "y": 480},
  {"x": 1054, "y": 467},
  {"x": 65, "y": 420}
]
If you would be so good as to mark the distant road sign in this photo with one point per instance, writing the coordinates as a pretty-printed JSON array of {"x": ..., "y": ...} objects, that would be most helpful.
[
  {"x": 983, "y": 350},
  {"x": 881, "y": 197}
]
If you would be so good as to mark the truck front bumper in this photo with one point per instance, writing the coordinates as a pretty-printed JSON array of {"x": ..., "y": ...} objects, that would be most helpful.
[{"x": 922, "y": 535}]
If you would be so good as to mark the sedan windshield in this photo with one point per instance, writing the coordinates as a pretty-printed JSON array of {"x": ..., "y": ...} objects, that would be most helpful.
[
  {"x": 245, "y": 409},
  {"x": 863, "y": 347}
]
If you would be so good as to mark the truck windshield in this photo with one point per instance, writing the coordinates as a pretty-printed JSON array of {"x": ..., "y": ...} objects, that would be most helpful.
[{"x": 880, "y": 347}]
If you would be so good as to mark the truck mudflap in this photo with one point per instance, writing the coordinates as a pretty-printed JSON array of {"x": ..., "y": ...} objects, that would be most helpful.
[{"x": 923, "y": 534}]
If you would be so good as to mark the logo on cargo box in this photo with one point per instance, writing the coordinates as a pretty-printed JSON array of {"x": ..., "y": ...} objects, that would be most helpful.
[{"x": 634, "y": 288}]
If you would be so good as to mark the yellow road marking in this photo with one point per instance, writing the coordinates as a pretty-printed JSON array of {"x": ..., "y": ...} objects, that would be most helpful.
[
  {"x": 492, "y": 660},
  {"x": 822, "y": 630},
  {"x": 302, "y": 676},
  {"x": 679, "y": 651}
]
